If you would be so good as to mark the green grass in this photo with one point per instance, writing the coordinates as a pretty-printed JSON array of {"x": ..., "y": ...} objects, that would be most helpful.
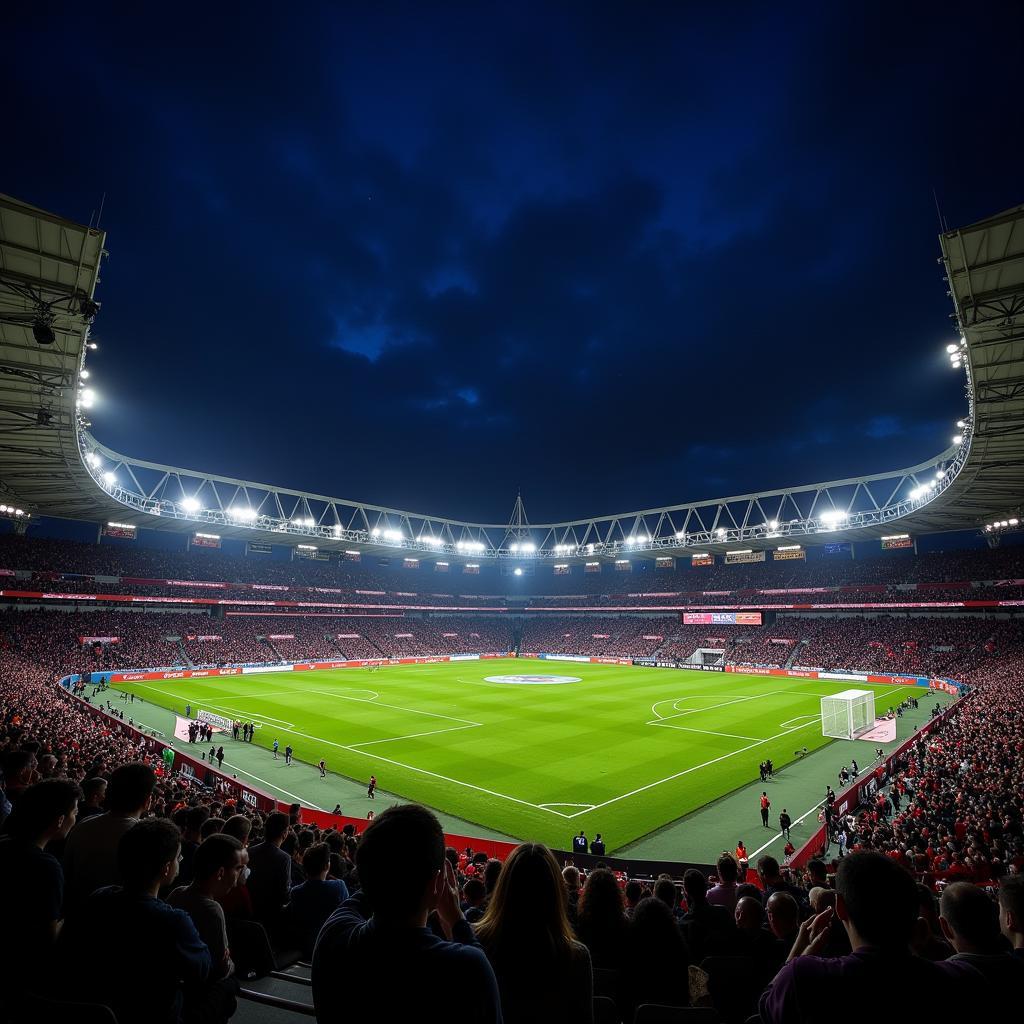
[{"x": 537, "y": 762}]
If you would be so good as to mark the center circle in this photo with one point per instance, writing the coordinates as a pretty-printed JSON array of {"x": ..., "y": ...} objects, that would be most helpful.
[{"x": 533, "y": 680}]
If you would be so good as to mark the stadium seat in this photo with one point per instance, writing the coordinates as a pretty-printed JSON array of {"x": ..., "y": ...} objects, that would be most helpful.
[
  {"x": 652, "y": 1013},
  {"x": 41, "y": 1010},
  {"x": 606, "y": 982},
  {"x": 735, "y": 984},
  {"x": 605, "y": 1011},
  {"x": 267, "y": 999}
]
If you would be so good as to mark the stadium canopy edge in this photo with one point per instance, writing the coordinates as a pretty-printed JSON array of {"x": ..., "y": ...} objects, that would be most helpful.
[{"x": 51, "y": 464}]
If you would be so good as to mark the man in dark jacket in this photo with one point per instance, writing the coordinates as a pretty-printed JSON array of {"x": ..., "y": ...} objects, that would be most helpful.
[
  {"x": 157, "y": 949},
  {"x": 383, "y": 928}
]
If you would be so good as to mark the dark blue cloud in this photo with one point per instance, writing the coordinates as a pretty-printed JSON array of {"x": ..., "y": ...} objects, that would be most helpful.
[{"x": 614, "y": 255}]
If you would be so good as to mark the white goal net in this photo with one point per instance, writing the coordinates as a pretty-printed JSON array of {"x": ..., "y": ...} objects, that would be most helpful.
[{"x": 845, "y": 715}]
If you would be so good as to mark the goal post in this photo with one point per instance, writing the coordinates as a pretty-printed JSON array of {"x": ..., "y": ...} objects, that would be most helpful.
[{"x": 845, "y": 715}]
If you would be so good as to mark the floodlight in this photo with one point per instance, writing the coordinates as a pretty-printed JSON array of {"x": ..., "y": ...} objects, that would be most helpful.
[
  {"x": 957, "y": 438},
  {"x": 513, "y": 546},
  {"x": 961, "y": 424},
  {"x": 92, "y": 458},
  {"x": 721, "y": 531},
  {"x": 989, "y": 527},
  {"x": 952, "y": 347},
  {"x": 88, "y": 398},
  {"x": 375, "y": 532},
  {"x": 19, "y": 512},
  {"x": 774, "y": 524},
  {"x": 242, "y": 512},
  {"x": 517, "y": 571},
  {"x": 92, "y": 346},
  {"x": 84, "y": 374},
  {"x": 529, "y": 547},
  {"x": 109, "y": 478},
  {"x": 1013, "y": 522},
  {"x": 190, "y": 504},
  {"x": 680, "y": 535},
  {"x": 833, "y": 515}
]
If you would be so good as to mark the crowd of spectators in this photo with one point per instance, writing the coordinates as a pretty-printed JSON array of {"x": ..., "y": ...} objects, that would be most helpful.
[
  {"x": 101, "y": 846},
  {"x": 126, "y": 568}
]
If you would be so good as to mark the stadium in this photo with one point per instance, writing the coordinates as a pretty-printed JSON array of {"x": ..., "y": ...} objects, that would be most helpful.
[
  {"x": 334, "y": 681},
  {"x": 624, "y": 679}
]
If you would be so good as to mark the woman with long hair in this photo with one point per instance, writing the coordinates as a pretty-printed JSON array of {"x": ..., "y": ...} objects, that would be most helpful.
[
  {"x": 543, "y": 972},
  {"x": 601, "y": 922},
  {"x": 656, "y": 960}
]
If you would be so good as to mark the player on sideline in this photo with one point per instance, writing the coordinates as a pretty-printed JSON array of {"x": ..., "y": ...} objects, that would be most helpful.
[
  {"x": 288, "y": 755},
  {"x": 276, "y": 748},
  {"x": 323, "y": 768},
  {"x": 371, "y": 788}
]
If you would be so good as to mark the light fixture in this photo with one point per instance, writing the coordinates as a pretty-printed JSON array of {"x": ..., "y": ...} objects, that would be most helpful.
[
  {"x": 952, "y": 347},
  {"x": 190, "y": 504},
  {"x": 517, "y": 571},
  {"x": 42, "y": 329},
  {"x": 84, "y": 374},
  {"x": 109, "y": 478},
  {"x": 958, "y": 438}
]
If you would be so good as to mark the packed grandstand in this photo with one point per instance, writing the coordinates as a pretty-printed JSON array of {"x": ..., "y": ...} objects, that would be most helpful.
[
  {"x": 140, "y": 882},
  {"x": 952, "y": 821}
]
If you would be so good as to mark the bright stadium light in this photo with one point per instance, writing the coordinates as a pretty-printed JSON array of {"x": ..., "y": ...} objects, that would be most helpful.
[
  {"x": 307, "y": 547},
  {"x": 87, "y": 398},
  {"x": 721, "y": 531},
  {"x": 109, "y": 478},
  {"x": 680, "y": 535},
  {"x": 961, "y": 424},
  {"x": 517, "y": 571},
  {"x": 242, "y": 512},
  {"x": 833, "y": 516},
  {"x": 375, "y": 532},
  {"x": 773, "y": 525},
  {"x": 92, "y": 458},
  {"x": 529, "y": 547},
  {"x": 958, "y": 439},
  {"x": 952, "y": 347},
  {"x": 513, "y": 546},
  {"x": 788, "y": 547},
  {"x": 190, "y": 504},
  {"x": 84, "y": 374}
]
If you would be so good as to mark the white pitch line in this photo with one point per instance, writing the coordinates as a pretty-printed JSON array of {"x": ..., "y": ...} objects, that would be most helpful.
[
  {"x": 515, "y": 799},
  {"x": 697, "y": 767},
  {"x": 779, "y": 836},
  {"x": 413, "y": 735},
  {"x": 271, "y": 785},
  {"x": 706, "y": 732},
  {"x": 395, "y": 707}
]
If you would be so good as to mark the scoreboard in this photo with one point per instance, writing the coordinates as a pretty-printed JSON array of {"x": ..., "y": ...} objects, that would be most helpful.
[{"x": 722, "y": 618}]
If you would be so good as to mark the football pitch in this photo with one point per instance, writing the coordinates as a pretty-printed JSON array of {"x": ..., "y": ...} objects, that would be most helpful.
[{"x": 535, "y": 749}]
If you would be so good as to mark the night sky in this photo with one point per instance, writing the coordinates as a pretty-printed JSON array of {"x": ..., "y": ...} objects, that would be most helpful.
[{"x": 613, "y": 255}]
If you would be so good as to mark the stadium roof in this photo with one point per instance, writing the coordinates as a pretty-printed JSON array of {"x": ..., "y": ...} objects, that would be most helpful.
[{"x": 50, "y": 464}]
